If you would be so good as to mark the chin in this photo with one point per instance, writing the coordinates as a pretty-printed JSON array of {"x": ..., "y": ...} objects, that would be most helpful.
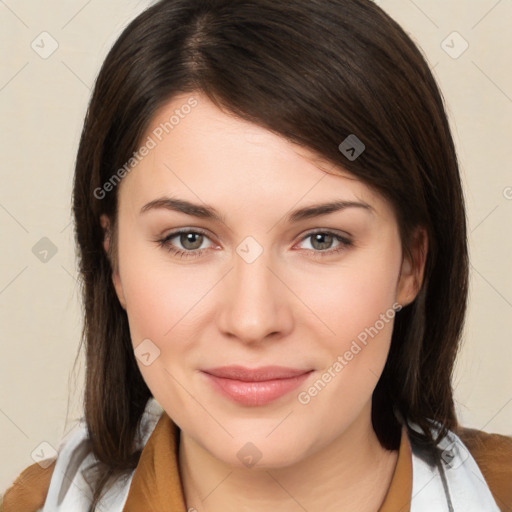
[{"x": 261, "y": 451}]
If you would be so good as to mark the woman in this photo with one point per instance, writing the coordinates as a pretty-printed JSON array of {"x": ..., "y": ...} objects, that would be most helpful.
[{"x": 272, "y": 242}]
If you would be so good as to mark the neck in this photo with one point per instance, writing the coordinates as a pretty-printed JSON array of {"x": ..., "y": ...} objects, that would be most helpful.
[{"x": 351, "y": 473}]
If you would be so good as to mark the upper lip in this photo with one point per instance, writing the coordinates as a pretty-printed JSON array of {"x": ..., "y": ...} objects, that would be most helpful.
[{"x": 260, "y": 374}]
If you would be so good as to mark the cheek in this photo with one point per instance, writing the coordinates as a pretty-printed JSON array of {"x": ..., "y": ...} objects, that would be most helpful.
[
  {"x": 355, "y": 306},
  {"x": 163, "y": 304},
  {"x": 161, "y": 295},
  {"x": 347, "y": 299}
]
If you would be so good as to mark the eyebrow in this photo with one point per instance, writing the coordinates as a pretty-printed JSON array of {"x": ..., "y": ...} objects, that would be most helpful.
[{"x": 209, "y": 212}]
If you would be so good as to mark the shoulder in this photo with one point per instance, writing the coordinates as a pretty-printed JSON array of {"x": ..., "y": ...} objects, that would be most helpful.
[
  {"x": 63, "y": 485},
  {"x": 29, "y": 490},
  {"x": 493, "y": 454}
]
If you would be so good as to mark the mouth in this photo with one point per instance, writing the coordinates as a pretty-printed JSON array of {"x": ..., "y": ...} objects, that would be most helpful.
[{"x": 255, "y": 387}]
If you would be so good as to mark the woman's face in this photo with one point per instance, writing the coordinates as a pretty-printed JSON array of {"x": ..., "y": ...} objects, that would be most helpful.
[{"x": 253, "y": 286}]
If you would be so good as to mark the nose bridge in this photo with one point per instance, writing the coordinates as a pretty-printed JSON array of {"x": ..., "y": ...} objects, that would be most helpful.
[{"x": 254, "y": 306}]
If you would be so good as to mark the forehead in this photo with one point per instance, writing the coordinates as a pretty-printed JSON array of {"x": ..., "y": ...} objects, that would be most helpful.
[{"x": 202, "y": 153}]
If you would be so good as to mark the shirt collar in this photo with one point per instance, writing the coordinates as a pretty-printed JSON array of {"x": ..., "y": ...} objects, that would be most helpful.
[
  {"x": 156, "y": 483},
  {"x": 398, "y": 497}
]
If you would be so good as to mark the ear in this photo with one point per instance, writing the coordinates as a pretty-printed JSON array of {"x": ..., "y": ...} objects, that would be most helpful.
[
  {"x": 116, "y": 280},
  {"x": 413, "y": 268}
]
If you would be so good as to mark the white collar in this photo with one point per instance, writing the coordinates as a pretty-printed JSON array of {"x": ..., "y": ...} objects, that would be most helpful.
[
  {"x": 69, "y": 491},
  {"x": 456, "y": 484}
]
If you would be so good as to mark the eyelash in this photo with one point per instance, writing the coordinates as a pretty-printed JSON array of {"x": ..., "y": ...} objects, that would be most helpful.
[{"x": 165, "y": 244}]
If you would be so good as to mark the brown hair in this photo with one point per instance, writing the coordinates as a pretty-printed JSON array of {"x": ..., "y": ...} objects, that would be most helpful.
[{"x": 314, "y": 72}]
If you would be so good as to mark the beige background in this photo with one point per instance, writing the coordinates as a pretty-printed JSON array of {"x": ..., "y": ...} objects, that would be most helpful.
[{"x": 42, "y": 104}]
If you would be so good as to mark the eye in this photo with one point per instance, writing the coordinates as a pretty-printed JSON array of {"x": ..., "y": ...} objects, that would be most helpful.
[
  {"x": 322, "y": 242},
  {"x": 190, "y": 240}
]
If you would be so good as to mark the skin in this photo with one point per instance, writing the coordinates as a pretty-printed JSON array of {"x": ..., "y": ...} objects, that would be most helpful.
[{"x": 290, "y": 307}]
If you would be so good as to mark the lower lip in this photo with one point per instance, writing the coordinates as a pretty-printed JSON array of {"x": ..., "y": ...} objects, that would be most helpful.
[{"x": 256, "y": 393}]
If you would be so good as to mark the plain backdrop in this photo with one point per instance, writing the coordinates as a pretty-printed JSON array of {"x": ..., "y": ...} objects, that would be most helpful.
[{"x": 43, "y": 98}]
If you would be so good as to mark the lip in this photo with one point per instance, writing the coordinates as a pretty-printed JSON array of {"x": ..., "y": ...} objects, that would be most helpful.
[{"x": 258, "y": 386}]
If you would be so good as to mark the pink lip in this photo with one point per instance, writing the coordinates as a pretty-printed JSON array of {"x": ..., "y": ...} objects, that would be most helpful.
[{"x": 255, "y": 386}]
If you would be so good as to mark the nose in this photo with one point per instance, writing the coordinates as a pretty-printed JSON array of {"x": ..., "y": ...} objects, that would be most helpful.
[{"x": 256, "y": 305}]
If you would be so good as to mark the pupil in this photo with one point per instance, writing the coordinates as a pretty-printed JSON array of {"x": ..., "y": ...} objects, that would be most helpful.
[
  {"x": 318, "y": 238},
  {"x": 187, "y": 239}
]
